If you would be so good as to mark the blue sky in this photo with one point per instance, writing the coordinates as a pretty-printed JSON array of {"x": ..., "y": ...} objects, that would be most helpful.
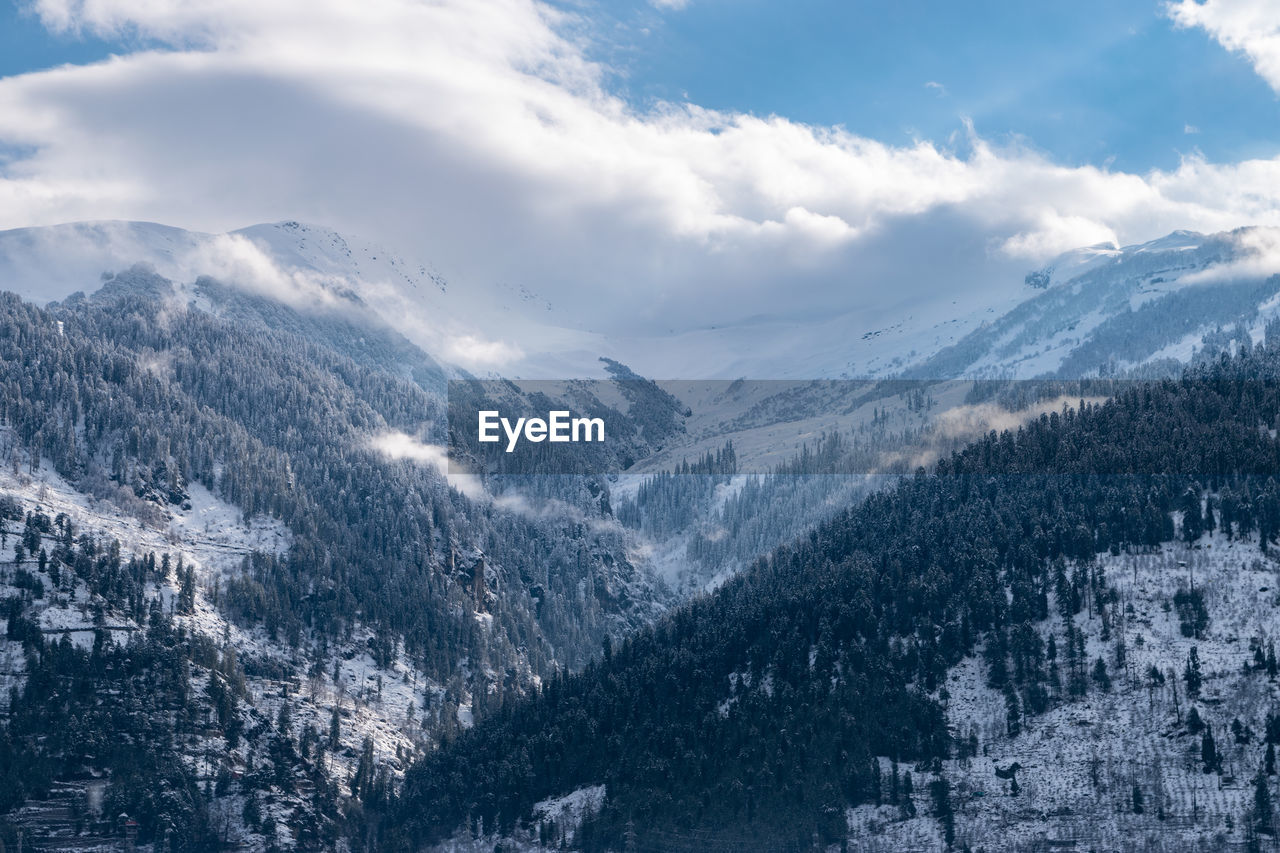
[
  {"x": 1087, "y": 81},
  {"x": 26, "y": 45}
]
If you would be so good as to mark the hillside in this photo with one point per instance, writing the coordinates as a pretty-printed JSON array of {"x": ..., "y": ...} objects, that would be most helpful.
[
  {"x": 1120, "y": 758},
  {"x": 768, "y": 708},
  {"x": 217, "y": 532}
]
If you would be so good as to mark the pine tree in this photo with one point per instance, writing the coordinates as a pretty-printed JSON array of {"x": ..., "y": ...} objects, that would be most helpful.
[
  {"x": 997, "y": 652},
  {"x": 335, "y": 729},
  {"x": 940, "y": 789},
  {"x": 908, "y": 789},
  {"x": 1051, "y": 653},
  {"x": 1013, "y": 712},
  {"x": 362, "y": 780},
  {"x": 1263, "y": 818},
  {"x": 1192, "y": 517},
  {"x": 1194, "y": 723},
  {"x": 1208, "y": 751},
  {"x": 284, "y": 720},
  {"x": 1240, "y": 732},
  {"x": 1191, "y": 673},
  {"x": 1100, "y": 675}
]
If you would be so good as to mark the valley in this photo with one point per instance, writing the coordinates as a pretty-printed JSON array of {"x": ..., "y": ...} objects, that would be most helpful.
[{"x": 342, "y": 617}]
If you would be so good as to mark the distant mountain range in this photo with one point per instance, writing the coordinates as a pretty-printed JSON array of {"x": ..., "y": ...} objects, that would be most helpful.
[{"x": 1094, "y": 310}]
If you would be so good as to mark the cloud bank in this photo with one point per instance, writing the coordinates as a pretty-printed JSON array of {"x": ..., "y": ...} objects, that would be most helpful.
[{"x": 477, "y": 134}]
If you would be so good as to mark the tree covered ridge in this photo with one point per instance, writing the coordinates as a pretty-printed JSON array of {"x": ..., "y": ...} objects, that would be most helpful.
[
  {"x": 132, "y": 394},
  {"x": 762, "y": 705}
]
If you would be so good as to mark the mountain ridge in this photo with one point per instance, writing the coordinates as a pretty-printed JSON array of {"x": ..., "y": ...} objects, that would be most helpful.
[{"x": 1016, "y": 329}]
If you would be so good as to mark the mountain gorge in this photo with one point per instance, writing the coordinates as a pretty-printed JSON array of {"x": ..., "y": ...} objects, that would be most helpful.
[
  {"x": 767, "y": 709},
  {"x": 231, "y": 538}
]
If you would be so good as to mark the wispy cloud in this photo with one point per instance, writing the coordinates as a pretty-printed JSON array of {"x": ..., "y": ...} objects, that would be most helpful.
[
  {"x": 1257, "y": 256},
  {"x": 236, "y": 259},
  {"x": 403, "y": 447}
]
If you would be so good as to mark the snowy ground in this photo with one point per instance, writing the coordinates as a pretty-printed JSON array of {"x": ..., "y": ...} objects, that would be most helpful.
[
  {"x": 383, "y": 704},
  {"x": 564, "y": 813},
  {"x": 1081, "y": 760}
]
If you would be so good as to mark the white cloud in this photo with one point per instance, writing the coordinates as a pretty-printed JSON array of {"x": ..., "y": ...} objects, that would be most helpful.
[
  {"x": 476, "y": 134},
  {"x": 403, "y": 447},
  {"x": 1052, "y": 231},
  {"x": 235, "y": 258},
  {"x": 1259, "y": 257},
  {"x": 477, "y": 353},
  {"x": 1250, "y": 27}
]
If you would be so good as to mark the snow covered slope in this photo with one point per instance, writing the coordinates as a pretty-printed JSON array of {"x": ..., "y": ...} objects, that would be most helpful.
[
  {"x": 1078, "y": 765},
  {"x": 1093, "y": 309},
  {"x": 1106, "y": 309},
  {"x": 374, "y": 702},
  {"x": 483, "y": 330},
  {"x": 51, "y": 263}
]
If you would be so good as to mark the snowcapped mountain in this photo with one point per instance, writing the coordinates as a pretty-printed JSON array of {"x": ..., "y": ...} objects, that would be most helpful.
[
  {"x": 411, "y": 610},
  {"x": 1091, "y": 310},
  {"x": 1106, "y": 309},
  {"x": 49, "y": 263},
  {"x": 1094, "y": 309},
  {"x": 479, "y": 329}
]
